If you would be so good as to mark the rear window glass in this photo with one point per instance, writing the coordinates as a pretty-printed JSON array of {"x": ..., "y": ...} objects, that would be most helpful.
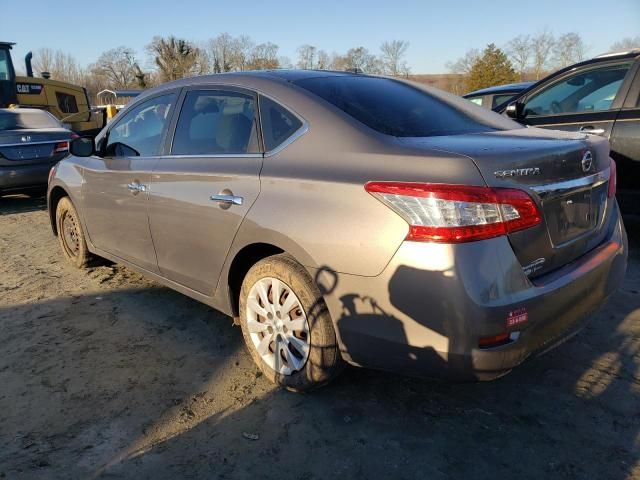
[
  {"x": 395, "y": 108},
  {"x": 278, "y": 123},
  {"x": 20, "y": 120}
]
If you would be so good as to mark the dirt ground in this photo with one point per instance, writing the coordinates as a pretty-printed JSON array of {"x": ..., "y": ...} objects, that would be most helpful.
[{"x": 104, "y": 374}]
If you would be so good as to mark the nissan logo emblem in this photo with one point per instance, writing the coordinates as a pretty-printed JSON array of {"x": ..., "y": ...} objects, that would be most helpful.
[{"x": 587, "y": 161}]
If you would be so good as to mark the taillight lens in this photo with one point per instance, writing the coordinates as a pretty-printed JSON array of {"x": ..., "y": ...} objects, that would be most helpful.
[
  {"x": 457, "y": 213},
  {"x": 613, "y": 179},
  {"x": 61, "y": 147}
]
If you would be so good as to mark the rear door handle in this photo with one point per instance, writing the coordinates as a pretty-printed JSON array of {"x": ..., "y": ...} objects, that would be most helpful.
[
  {"x": 592, "y": 130},
  {"x": 228, "y": 199}
]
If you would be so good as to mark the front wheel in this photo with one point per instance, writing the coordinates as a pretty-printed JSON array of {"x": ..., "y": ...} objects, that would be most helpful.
[
  {"x": 71, "y": 235},
  {"x": 286, "y": 325}
]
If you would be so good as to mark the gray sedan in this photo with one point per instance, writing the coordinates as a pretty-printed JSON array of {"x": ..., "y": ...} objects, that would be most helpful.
[
  {"x": 31, "y": 142},
  {"x": 351, "y": 219}
]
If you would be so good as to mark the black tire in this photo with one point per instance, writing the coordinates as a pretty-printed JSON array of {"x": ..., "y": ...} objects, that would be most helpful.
[
  {"x": 70, "y": 234},
  {"x": 324, "y": 361}
]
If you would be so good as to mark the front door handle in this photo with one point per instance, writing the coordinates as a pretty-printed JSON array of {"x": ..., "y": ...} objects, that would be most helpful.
[
  {"x": 136, "y": 188},
  {"x": 592, "y": 130},
  {"x": 227, "y": 199}
]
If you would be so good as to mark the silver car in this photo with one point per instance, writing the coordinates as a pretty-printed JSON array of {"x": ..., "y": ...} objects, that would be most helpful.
[{"x": 350, "y": 219}]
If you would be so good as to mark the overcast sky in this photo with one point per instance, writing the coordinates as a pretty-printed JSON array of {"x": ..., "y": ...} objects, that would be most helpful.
[{"x": 436, "y": 31}]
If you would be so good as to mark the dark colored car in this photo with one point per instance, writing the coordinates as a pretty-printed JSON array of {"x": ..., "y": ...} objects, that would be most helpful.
[
  {"x": 31, "y": 142},
  {"x": 600, "y": 96},
  {"x": 345, "y": 217},
  {"x": 495, "y": 97}
]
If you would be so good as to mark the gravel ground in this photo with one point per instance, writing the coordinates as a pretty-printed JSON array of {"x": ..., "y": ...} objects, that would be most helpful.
[{"x": 104, "y": 374}]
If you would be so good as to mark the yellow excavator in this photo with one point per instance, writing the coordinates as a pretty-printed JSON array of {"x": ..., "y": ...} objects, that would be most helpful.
[{"x": 67, "y": 102}]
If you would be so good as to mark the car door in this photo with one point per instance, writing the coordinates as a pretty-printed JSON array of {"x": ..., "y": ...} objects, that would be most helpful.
[
  {"x": 203, "y": 188},
  {"x": 625, "y": 146},
  {"x": 586, "y": 99},
  {"x": 117, "y": 181}
]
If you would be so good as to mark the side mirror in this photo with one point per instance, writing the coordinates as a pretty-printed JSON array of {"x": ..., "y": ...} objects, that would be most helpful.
[
  {"x": 82, "y": 147},
  {"x": 514, "y": 110}
]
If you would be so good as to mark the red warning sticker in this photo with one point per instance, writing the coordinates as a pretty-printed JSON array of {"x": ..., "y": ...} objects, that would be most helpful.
[{"x": 517, "y": 317}]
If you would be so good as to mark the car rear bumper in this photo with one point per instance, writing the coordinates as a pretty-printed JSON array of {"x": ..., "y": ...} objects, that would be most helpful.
[
  {"x": 22, "y": 177},
  {"x": 425, "y": 314}
]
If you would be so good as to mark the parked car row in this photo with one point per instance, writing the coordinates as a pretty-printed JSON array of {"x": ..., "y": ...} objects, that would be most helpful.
[
  {"x": 601, "y": 97},
  {"x": 347, "y": 218},
  {"x": 31, "y": 142}
]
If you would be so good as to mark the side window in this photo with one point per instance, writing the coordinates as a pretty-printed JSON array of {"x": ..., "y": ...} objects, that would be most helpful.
[
  {"x": 139, "y": 132},
  {"x": 476, "y": 100},
  {"x": 216, "y": 122},
  {"x": 500, "y": 99},
  {"x": 278, "y": 123},
  {"x": 66, "y": 103},
  {"x": 587, "y": 91}
]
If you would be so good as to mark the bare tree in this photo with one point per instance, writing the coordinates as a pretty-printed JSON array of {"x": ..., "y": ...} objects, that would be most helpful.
[
  {"x": 519, "y": 51},
  {"x": 264, "y": 57},
  {"x": 359, "y": 59},
  {"x": 392, "y": 57},
  {"x": 242, "y": 53},
  {"x": 464, "y": 64},
  {"x": 541, "y": 45},
  {"x": 61, "y": 66},
  {"x": 117, "y": 67},
  {"x": 307, "y": 56},
  {"x": 627, "y": 43},
  {"x": 222, "y": 51},
  {"x": 569, "y": 49},
  {"x": 324, "y": 61},
  {"x": 174, "y": 57}
]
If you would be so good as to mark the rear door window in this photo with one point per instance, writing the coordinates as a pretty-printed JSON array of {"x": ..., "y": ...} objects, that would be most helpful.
[
  {"x": 278, "y": 123},
  {"x": 216, "y": 122}
]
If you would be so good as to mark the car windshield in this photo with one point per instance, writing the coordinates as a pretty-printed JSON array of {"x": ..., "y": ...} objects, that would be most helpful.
[
  {"x": 399, "y": 109},
  {"x": 20, "y": 120}
]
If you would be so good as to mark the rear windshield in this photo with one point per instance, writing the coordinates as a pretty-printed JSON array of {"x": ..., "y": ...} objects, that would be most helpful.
[
  {"x": 17, "y": 120},
  {"x": 395, "y": 108}
]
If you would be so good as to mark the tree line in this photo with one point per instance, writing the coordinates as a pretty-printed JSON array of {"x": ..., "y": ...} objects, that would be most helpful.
[
  {"x": 169, "y": 58},
  {"x": 525, "y": 57}
]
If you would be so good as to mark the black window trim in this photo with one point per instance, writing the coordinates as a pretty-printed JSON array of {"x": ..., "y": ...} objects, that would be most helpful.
[
  {"x": 171, "y": 131},
  {"x": 104, "y": 140}
]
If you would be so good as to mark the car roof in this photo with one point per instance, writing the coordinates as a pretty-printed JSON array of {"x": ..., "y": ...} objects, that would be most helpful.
[{"x": 509, "y": 87}]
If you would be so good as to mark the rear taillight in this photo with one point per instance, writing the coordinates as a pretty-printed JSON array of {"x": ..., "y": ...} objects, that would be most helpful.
[
  {"x": 457, "y": 213},
  {"x": 613, "y": 179},
  {"x": 61, "y": 147}
]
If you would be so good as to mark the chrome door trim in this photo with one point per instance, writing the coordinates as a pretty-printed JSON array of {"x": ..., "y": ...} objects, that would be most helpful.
[
  {"x": 296, "y": 135},
  {"x": 216, "y": 155}
]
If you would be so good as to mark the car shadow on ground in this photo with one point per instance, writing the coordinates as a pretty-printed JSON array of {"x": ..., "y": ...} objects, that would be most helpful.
[
  {"x": 12, "y": 204},
  {"x": 147, "y": 383}
]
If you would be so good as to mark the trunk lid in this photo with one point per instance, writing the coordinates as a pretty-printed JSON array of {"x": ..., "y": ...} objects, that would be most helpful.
[
  {"x": 565, "y": 173},
  {"x": 24, "y": 147}
]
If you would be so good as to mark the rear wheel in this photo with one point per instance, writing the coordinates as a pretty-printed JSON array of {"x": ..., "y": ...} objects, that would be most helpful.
[
  {"x": 286, "y": 325},
  {"x": 71, "y": 235}
]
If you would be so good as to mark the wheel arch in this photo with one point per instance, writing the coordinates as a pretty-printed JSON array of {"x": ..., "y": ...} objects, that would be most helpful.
[
  {"x": 242, "y": 262},
  {"x": 56, "y": 194}
]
